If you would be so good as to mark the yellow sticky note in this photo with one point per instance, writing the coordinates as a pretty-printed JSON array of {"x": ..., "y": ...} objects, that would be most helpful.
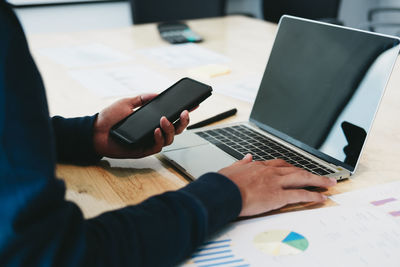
[{"x": 210, "y": 71}]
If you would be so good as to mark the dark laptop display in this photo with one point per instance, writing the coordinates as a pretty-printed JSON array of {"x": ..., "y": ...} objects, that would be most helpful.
[{"x": 322, "y": 95}]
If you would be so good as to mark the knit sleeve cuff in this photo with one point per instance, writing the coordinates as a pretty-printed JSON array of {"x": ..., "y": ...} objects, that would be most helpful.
[
  {"x": 220, "y": 198},
  {"x": 74, "y": 140}
]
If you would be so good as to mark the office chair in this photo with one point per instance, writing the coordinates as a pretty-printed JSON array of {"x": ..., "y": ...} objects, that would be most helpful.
[
  {"x": 147, "y": 11},
  {"x": 379, "y": 20},
  {"x": 325, "y": 10}
]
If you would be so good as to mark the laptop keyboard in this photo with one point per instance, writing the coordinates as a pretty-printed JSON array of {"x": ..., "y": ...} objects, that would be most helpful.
[{"x": 239, "y": 140}]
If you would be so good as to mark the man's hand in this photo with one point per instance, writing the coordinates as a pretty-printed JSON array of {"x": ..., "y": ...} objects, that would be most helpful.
[
  {"x": 107, "y": 118},
  {"x": 269, "y": 185}
]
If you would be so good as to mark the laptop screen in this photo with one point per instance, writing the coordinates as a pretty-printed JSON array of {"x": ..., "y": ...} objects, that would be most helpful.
[{"x": 322, "y": 87}]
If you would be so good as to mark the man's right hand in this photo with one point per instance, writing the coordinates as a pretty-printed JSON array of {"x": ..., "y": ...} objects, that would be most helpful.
[{"x": 269, "y": 185}]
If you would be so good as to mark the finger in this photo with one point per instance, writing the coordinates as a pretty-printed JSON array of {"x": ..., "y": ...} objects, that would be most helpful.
[
  {"x": 246, "y": 159},
  {"x": 300, "y": 195},
  {"x": 158, "y": 143},
  {"x": 168, "y": 130},
  {"x": 183, "y": 122},
  {"x": 139, "y": 100},
  {"x": 123, "y": 108},
  {"x": 145, "y": 98},
  {"x": 302, "y": 178},
  {"x": 277, "y": 163}
]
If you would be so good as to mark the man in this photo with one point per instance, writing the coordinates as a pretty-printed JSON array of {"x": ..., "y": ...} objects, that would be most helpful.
[{"x": 39, "y": 227}]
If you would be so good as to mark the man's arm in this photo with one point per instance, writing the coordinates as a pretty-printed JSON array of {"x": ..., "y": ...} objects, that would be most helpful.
[
  {"x": 163, "y": 230},
  {"x": 39, "y": 227}
]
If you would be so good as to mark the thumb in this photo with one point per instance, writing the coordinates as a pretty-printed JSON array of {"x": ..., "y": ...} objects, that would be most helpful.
[
  {"x": 144, "y": 99},
  {"x": 246, "y": 159},
  {"x": 137, "y": 101}
]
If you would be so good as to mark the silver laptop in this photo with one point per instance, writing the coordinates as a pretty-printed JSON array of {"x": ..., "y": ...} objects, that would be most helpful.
[{"x": 314, "y": 108}]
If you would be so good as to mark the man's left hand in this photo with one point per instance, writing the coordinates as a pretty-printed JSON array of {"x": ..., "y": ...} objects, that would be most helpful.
[{"x": 105, "y": 145}]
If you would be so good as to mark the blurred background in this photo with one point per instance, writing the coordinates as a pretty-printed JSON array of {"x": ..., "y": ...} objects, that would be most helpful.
[{"x": 377, "y": 15}]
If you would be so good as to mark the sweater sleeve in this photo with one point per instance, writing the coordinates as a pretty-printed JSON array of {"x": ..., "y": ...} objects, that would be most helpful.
[
  {"x": 165, "y": 229},
  {"x": 74, "y": 139},
  {"x": 38, "y": 227}
]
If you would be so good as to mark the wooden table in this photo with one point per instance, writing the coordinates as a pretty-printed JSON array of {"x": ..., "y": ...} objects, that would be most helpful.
[{"x": 247, "y": 42}]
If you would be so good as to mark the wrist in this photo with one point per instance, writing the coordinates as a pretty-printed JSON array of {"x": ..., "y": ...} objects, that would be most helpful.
[{"x": 97, "y": 136}]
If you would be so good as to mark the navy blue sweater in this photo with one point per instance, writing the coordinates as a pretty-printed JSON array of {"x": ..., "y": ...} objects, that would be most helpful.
[{"x": 39, "y": 227}]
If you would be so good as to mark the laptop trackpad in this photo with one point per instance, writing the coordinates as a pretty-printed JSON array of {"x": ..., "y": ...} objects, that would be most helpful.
[
  {"x": 198, "y": 160},
  {"x": 184, "y": 140}
]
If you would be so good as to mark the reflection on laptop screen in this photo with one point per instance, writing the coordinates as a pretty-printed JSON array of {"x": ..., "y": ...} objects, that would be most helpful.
[{"x": 322, "y": 86}]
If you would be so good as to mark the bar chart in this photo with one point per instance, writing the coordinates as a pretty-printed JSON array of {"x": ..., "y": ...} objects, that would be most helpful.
[{"x": 216, "y": 253}]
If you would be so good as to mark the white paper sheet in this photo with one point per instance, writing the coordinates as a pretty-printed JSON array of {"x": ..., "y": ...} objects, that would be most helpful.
[
  {"x": 243, "y": 89},
  {"x": 122, "y": 81},
  {"x": 183, "y": 56},
  {"x": 84, "y": 55},
  {"x": 337, "y": 236},
  {"x": 385, "y": 197}
]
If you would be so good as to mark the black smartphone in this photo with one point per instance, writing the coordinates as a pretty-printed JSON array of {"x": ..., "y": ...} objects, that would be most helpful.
[
  {"x": 138, "y": 127},
  {"x": 177, "y": 33}
]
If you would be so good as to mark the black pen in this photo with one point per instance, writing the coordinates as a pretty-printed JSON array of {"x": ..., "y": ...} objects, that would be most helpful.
[{"x": 215, "y": 118}]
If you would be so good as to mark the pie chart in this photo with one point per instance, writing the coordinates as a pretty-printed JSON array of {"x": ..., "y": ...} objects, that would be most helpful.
[{"x": 280, "y": 242}]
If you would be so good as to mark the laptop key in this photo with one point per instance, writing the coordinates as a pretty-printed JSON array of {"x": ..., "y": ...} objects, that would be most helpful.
[
  {"x": 276, "y": 154},
  {"x": 310, "y": 166},
  {"x": 267, "y": 157},
  {"x": 257, "y": 158},
  {"x": 202, "y": 134},
  {"x": 229, "y": 150},
  {"x": 321, "y": 171},
  {"x": 285, "y": 158},
  {"x": 303, "y": 162}
]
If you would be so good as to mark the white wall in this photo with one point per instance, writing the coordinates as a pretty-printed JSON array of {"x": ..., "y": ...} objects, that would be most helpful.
[
  {"x": 80, "y": 17},
  {"x": 354, "y": 13}
]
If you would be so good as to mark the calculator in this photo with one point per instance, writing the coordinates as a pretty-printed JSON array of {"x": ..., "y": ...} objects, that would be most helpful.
[{"x": 178, "y": 33}]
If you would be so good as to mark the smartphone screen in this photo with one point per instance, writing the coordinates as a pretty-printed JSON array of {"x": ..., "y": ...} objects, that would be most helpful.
[{"x": 183, "y": 95}]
